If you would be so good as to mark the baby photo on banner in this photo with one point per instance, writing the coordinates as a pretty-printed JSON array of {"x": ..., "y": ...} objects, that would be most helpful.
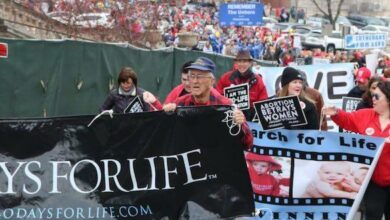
[{"x": 308, "y": 174}]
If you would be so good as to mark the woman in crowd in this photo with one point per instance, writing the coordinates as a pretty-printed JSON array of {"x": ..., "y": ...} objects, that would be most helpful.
[
  {"x": 367, "y": 95},
  {"x": 292, "y": 85},
  {"x": 119, "y": 98},
  {"x": 375, "y": 122}
]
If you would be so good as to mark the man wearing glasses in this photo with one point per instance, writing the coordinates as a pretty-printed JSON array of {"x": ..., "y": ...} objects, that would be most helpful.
[{"x": 201, "y": 78}]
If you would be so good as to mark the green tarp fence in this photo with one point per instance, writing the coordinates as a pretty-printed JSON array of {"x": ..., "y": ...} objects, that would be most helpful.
[{"x": 61, "y": 78}]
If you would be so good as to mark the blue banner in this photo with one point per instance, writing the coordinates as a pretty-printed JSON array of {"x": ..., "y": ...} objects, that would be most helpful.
[
  {"x": 365, "y": 41},
  {"x": 241, "y": 14},
  {"x": 300, "y": 174}
]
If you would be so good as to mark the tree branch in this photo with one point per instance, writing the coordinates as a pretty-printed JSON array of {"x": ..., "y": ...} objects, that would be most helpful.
[
  {"x": 319, "y": 8},
  {"x": 338, "y": 9},
  {"x": 330, "y": 15}
]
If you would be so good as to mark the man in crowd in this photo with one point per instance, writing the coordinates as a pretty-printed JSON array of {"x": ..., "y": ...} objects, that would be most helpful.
[
  {"x": 362, "y": 76},
  {"x": 183, "y": 88},
  {"x": 241, "y": 75},
  {"x": 201, "y": 76}
]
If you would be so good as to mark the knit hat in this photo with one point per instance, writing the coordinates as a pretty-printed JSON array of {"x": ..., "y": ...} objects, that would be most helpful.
[{"x": 290, "y": 74}]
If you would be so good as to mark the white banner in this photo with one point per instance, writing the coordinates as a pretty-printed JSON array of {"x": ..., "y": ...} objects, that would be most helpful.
[{"x": 333, "y": 81}]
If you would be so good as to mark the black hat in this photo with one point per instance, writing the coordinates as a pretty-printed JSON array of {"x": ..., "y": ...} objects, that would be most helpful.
[{"x": 289, "y": 74}]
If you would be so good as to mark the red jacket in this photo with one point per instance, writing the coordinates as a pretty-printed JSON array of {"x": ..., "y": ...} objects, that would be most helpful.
[
  {"x": 218, "y": 99},
  {"x": 257, "y": 90},
  {"x": 175, "y": 93},
  {"x": 366, "y": 122}
]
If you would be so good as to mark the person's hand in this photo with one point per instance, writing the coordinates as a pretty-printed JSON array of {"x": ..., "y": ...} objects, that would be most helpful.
[
  {"x": 330, "y": 110},
  {"x": 170, "y": 107},
  {"x": 238, "y": 116},
  {"x": 149, "y": 97}
]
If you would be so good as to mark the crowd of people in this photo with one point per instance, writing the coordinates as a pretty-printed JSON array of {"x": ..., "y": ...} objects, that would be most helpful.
[
  {"x": 263, "y": 42},
  {"x": 197, "y": 89}
]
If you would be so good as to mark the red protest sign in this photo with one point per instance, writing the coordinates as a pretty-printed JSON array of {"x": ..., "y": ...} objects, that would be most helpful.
[{"x": 3, "y": 50}]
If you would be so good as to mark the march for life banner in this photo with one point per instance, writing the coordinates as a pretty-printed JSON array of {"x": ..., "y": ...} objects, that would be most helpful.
[
  {"x": 132, "y": 166},
  {"x": 307, "y": 174}
]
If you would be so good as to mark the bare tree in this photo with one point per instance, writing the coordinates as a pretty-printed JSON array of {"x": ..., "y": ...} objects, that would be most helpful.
[{"x": 330, "y": 14}]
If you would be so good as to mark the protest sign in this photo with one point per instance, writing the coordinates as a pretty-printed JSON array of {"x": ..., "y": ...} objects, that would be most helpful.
[
  {"x": 133, "y": 166},
  {"x": 239, "y": 94},
  {"x": 365, "y": 41},
  {"x": 134, "y": 106},
  {"x": 297, "y": 161},
  {"x": 372, "y": 62},
  {"x": 241, "y": 14},
  {"x": 349, "y": 105},
  {"x": 317, "y": 60},
  {"x": 300, "y": 61},
  {"x": 280, "y": 113}
]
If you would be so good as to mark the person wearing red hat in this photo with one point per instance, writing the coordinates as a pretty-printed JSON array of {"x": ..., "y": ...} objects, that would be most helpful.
[
  {"x": 259, "y": 168},
  {"x": 243, "y": 74},
  {"x": 362, "y": 77}
]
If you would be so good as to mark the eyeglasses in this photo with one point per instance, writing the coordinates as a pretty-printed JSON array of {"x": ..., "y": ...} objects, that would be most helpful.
[
  {"x": 375, "y": 96},
  {"x": 198, "y": 76}
]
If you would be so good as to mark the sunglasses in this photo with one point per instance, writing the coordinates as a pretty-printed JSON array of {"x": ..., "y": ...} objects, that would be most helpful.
[{"x": 375, "y": 96}]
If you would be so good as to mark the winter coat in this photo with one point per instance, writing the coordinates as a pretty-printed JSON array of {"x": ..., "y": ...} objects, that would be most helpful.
[{"x": 366, "y": 122}]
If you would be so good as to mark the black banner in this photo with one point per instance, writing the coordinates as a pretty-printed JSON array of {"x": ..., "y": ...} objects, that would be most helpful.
[{"x": 134, "y": 166}]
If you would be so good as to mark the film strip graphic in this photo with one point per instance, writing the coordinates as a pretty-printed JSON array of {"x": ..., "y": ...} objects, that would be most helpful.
[
  {"x": 302, "y": 201},
  {"x": 303, "y": 215},
  {"x": 312, "y": 155}
]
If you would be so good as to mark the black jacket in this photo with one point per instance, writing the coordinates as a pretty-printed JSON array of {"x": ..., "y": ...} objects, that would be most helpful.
[
  {"x": 312, "y": 117},
  {"x": 119, "y": 102},
  {"x": 355, "y": 92}
]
